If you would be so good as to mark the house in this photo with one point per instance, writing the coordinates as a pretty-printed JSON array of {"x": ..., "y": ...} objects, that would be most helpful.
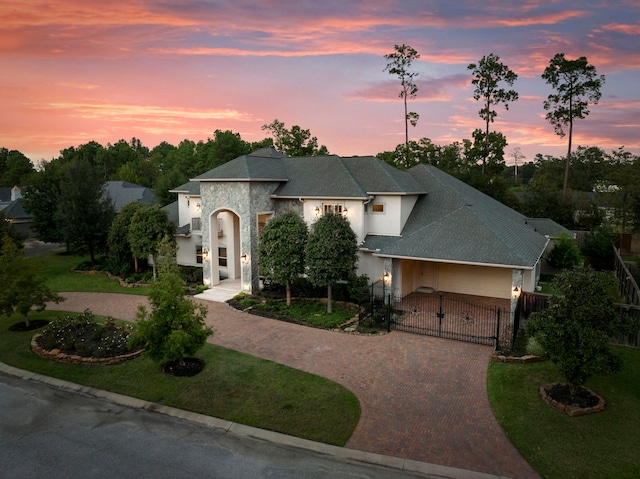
[
  {"x": 185, "y": 213},
  {"x": 124, "y": 192},
  {"x": 14, "y": 212},
  {"x": 419, "y": 230}
]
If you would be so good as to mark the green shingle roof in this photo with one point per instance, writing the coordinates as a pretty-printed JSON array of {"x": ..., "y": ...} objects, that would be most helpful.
[{"x": 456, "y": 223}]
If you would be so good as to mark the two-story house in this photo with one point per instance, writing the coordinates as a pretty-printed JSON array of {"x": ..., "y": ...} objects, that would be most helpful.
[{"x": 420, "y": 229}]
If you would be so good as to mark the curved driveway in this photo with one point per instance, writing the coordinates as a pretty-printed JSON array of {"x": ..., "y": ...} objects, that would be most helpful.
[{"x": 422, "y": 398}]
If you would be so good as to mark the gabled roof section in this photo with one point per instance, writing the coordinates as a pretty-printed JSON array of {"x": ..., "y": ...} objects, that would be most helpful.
[
  {"x": 457, "y": 223},
  {"x": 189, "y": 188},
  {"x": 376, "y": 176},
  {"x": 15, "y": 211},
  {"x": 261, "y": 165},
  {"x": 123, "y": 192}
]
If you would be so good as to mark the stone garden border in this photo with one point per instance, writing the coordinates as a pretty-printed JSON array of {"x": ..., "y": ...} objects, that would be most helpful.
[
  {"x": 58, "y": 355},
  {"x": 570, "y": 409}
]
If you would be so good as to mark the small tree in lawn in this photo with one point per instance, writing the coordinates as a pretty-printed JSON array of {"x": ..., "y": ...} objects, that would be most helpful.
[
  {"x": 149, "y": 225},
  {"x": 22, "y": 288},
  {"x": 174, "y": 329},
  {"x": 576, "y": 329},
  {"x": 331, "y": 253},
  {"x": 281, "y": 249}
]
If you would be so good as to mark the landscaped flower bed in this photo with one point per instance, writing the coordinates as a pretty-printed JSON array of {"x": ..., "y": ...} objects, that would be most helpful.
[{"x": 81, "y": 339}]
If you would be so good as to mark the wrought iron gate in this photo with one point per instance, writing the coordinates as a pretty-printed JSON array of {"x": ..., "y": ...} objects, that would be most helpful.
[{"x": 447, "y": 317}]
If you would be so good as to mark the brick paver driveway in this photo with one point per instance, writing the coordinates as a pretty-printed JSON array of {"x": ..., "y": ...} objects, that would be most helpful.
[{"x": 422, "y": 398}]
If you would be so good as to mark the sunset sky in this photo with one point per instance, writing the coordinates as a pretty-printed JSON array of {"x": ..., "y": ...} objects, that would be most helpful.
[{"x": 72, "y": 71}]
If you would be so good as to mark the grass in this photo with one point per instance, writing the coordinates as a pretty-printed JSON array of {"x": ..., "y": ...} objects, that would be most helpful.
[
  {"x": 308, "y": 311},
  {"x": 603, "y": 445},
  {"x": 56, "y": 269},
  {"x": 233, "y": 386}
]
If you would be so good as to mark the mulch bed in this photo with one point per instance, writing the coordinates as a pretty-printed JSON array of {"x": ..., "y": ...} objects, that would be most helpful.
[
  {"x": 185, "y": 367},
  {"x": 33, "y": 324}
]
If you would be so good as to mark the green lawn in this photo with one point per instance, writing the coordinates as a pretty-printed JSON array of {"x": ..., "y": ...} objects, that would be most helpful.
[
  {"x": 233, "y": 386},
  {"x": 56, "y": 269},
  {"x": 604, "y": 445}
]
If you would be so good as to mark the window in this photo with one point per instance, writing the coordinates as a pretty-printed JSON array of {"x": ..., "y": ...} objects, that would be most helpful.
[
  {"x": 196, "y": 224},
  {"x": 377, "y": 208},
  {"x": 199, "y": 254},
  {"x": 222, "y": 257},
  {"x": 329, "y": 208}
]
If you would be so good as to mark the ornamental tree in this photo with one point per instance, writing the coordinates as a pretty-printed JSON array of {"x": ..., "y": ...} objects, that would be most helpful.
[
  {"x": 281, "y": 250},
  {"x": 331, "y": 253},
  {"x": 577, "y": 327},
  {"x": 148, "y": 227},
  {"x": 175, "y": 327},
  {"x": 22, "y": 287}
]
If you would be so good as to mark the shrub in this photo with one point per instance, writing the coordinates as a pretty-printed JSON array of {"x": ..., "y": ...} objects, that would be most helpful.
[
  {"x": 534, "y": 347},
  {"x": 565, "y": 253}
]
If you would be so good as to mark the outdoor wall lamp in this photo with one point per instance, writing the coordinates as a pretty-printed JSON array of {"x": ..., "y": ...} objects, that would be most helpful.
[
  {"x": 205, "y": 254},
  {"x": 198, "y": 206},
  {"x": 386, "y": 278},
  {"x": 317, "y": 211},
  {"x": 245, "y": 258},
  {"x": 345, "y": 212},
  {"x": 516, "y": 292}
]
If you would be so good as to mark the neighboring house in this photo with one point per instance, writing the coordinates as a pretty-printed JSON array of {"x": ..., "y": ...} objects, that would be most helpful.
[
  {"x": 123, "y": 192},
  {"x": 14, "y": 212},
  {"x": 420, "y": 229}
]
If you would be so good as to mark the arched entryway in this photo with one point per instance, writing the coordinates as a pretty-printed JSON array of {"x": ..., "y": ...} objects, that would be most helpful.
[{"x": 225, "y": 248}]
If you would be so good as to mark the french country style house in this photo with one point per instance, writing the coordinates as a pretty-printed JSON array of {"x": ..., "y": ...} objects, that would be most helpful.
[{"x": 419, "y": 229}]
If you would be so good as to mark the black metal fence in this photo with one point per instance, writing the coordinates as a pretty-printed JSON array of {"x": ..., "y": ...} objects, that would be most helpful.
[
  {"x": 533, "y": 302},
  {"x": 439, "y": 315}
]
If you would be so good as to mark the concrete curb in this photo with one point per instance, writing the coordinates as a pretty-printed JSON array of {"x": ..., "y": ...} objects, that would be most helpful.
[{"x": 407, "y": 465}]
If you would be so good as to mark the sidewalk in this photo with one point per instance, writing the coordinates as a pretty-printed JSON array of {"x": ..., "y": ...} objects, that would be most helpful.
[{"x": 423, "y": 399}]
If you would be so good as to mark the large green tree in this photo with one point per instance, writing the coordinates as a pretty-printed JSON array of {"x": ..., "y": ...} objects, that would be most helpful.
[
  {"x": 399, "y": 64},
  {"x": 15, "y": 168},
  {"x": 331, "y": 253},
  {"x": 488, "y": 76},
  {"x": 294, "y": 142},
  {"x": 149, "y": 225},
  {"x": 83, "y": 211},
  {"x": 281, "y": 250},
  {"x": 118, "y": 240},
  {"x": 22, "y": 287},
  {"x": 577, "y": 327},
  {"x": 576, "y": 85}
]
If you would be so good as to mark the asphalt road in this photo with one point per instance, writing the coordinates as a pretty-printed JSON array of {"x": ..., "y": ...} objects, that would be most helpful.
[{"x": 55, "y": 433}]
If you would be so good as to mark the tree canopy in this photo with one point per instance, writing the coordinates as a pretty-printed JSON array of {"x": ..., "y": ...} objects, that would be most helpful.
[
  {"x": 149, "y": 225},
  {"x": 331, "y": 253},
  {"x": 577, "y": 327},
  {"x": 294, "y": 142},
  {"x": 281, "y": 250}
]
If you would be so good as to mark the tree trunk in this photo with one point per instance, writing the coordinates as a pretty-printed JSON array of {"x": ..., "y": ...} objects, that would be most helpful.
[
  {"x": 566, "y": 166},
  {"x": 155, "y": 276},
  {"x": 288, "y": 287},
  {"x": 26, "y": 320},
  {"x": 135, "y": 265},
  {"x": 329, "y": 301}
]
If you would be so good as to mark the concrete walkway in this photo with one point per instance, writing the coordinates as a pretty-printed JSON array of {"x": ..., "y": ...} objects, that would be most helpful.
[{"x": 422, "y": 398}]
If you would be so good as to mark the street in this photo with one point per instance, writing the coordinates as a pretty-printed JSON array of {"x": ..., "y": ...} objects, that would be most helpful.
[{"x": 55, "y": 433}]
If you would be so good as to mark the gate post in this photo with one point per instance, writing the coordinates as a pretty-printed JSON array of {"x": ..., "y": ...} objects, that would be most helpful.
[
  {"x": 440, "y": 315},
  {"x": 498, "y": 331}
]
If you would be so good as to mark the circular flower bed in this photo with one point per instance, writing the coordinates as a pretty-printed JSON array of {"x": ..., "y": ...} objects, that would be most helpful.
[
  {"x": 81, "y": 339},
  {"x": 579, "y": 402}
]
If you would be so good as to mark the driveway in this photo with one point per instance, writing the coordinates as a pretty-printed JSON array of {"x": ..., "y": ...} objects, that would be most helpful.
[{"x": 422, "y": 398}]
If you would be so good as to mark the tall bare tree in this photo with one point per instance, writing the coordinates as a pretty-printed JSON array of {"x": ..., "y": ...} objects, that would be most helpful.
[
  {"x": 398, "y": 63},
  {"x": 488, "y": 73},
  {"x": 576, "y": 84}
]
